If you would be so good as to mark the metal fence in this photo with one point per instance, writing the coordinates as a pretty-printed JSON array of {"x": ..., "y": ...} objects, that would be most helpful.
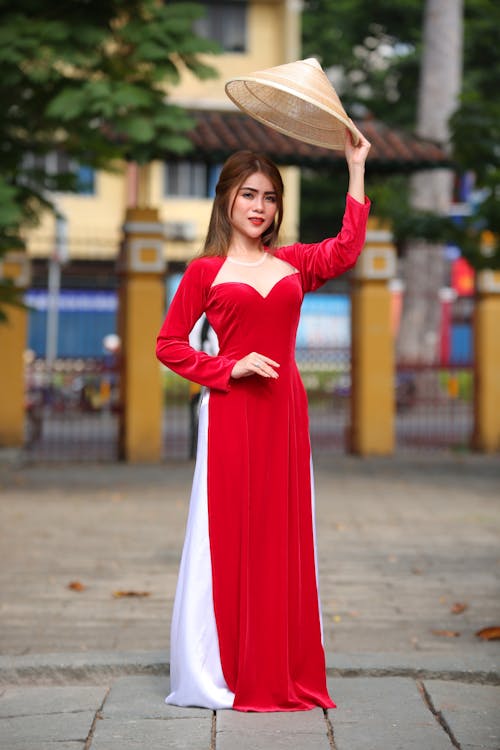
[
  {"x": 72, "y": 410},
  {"x": 325, "y": 373},
  {"x": 326, "y": 376},
  {"x": 435, "y": 409},
  {"x": 179, "y": 416}
]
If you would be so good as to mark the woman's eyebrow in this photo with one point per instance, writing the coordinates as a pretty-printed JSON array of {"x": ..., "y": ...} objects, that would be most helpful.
[{"x": 254, "y": 190}]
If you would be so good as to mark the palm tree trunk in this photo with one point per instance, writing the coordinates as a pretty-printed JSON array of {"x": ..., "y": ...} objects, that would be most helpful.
[{"x": 432, "y": 190}]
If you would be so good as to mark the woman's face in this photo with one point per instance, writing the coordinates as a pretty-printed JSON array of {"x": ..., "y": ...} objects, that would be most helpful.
[{"x": 254, "y": 206}]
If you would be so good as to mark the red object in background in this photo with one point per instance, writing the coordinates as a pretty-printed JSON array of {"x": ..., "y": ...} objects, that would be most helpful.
[
  {"x": 445, "y": 332},
  {"x": 462, "y": 277}
]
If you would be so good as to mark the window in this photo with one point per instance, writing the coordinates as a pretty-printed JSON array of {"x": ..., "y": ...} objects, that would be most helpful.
[
  {"x": 225, "y": 23},
  {"x": 185, "y": 179},
  {"x": 58, "y": 163},
  {"x": 85, "y": 180}
]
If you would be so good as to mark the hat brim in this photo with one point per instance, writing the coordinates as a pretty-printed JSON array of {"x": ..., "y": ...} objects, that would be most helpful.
[{"x": 293, "y": 113}]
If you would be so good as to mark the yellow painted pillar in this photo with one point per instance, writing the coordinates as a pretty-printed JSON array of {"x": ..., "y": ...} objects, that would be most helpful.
[
  {"x": 141, "y": 309},
  {"x": 13, "y": 336},
  {"x": 372, "y": 356},
  {"x": 487, "y": 363}
]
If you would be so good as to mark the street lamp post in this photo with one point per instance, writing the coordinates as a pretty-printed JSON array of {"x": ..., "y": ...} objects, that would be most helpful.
[{"x": 57, "y": 259}]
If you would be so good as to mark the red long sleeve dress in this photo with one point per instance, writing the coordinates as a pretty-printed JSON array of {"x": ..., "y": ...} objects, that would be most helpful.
[{"x": 246, "y": 628}]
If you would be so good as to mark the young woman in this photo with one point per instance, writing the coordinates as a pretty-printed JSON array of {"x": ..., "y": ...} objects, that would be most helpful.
[{"x": 246, "y": 629}]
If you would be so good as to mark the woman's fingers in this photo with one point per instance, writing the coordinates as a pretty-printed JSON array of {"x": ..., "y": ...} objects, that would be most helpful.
[
  {"x": 360, "y": 151},
  {"x": 264, "y": 366},
  {"x": 255, "y": 364}
]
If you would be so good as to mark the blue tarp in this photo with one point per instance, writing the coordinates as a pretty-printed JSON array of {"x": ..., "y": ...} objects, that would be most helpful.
[{"x": 85, "y": 318}]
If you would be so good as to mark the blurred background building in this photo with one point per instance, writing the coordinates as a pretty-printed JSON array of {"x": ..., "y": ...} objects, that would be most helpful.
[{"x": 434, "y": 403}]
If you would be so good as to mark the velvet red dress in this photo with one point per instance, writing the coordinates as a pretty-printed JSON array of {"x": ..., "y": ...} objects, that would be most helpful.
[{"x": 257, "y": 484}]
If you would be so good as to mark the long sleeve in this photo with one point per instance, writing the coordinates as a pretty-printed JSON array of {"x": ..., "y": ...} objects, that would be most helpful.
[
  {"x": 324, "y": 260},
  {"x": 172, "y": 345}
]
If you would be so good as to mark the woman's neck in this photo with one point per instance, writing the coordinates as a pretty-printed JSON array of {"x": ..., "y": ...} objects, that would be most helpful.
[{"x": 245, "y": 248}]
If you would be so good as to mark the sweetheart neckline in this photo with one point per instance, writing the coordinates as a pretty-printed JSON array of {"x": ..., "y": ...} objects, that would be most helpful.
[{"x": 245, "y": 283}]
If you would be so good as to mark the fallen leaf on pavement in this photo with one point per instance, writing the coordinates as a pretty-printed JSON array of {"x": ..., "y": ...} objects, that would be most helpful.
[
  {"x": 489, "y": 634},
  {"x": 446, "y": 633},
  {"x": 458, "y": 608},
  {"x": 119, "y": 594},
  {"x": 76, "y": 586}
]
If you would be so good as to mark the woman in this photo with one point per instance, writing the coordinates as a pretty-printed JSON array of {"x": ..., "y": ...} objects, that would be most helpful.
[{"x": 246, "y": 629}]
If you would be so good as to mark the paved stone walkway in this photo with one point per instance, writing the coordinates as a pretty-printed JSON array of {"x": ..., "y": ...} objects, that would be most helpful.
[
  {"x": 400, "y": 543},
  {"x": 373, "y": 713},
  {"x": 409, "y": 560}
]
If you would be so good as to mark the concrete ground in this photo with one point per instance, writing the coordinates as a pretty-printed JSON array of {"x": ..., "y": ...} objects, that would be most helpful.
[{"x": 409, "y": 559}]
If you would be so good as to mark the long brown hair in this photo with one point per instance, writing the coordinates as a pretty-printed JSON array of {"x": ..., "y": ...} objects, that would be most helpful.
[{"x": 235, "y": 171}]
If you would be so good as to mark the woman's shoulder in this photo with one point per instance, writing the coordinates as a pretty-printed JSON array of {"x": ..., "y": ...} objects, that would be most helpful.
[
  {"x": 285, "y": 252},
  {"x": 205, "y": 262},
  {"x": 202, "y": 263},
  {"x": 204, "y": 268}
]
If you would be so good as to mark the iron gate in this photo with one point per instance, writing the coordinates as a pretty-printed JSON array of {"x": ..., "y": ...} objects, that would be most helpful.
[
  {"x": 437, "y": 411},
  {"x": 72, "y": 410},
  {"x": 325, "y": 373}
]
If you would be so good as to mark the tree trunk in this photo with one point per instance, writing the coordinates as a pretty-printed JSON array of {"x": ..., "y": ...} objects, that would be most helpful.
[{"x": 423, "y": 266}]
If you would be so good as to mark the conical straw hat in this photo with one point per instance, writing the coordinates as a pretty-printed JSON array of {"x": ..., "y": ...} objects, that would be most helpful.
[{"x": 297, "y": 99}]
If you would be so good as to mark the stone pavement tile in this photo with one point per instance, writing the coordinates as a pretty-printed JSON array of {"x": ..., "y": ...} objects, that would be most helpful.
[
  {"x": 48, "y": 718},
  {"x": 272, "y": 731},
  {"x": 31, "y": 701},
  {"x": 143, "y": 696},
  {"x": 135, "y": 717},
  {"x": 383, "y": 713},
  {"x": 152, "y": 734},
  {"x": 46, "y": 732},
  {"x": 472, "y": 712}
]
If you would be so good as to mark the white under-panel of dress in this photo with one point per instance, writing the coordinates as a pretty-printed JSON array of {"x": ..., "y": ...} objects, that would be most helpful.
[{"x": 196, "y": 677}]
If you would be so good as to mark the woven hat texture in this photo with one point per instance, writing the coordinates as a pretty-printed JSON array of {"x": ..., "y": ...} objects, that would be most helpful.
[{"x": 296, "y": 99}]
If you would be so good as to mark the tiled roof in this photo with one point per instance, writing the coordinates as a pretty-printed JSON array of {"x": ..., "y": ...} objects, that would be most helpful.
[{"x": 218, "y": 134}]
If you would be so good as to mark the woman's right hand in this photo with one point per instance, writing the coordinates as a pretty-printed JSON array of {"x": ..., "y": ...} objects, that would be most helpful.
[{"x": 255, "y": 364}]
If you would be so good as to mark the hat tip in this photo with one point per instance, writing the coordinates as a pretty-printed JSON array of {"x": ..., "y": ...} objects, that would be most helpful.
[{"x": 312, "y": 61}]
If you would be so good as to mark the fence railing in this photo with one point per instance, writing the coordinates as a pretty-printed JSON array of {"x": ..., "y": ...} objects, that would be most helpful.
[
  {"x": 438, "y": 408},
  {"x": 324, "y": 373},
  {"x": 72, "y": 410}
]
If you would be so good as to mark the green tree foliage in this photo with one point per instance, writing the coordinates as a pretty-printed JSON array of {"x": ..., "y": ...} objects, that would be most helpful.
[
  {"x": 90, "y": 79},
  {"x": 372, "y": 49},
  {"x": 476, "y": 128}
]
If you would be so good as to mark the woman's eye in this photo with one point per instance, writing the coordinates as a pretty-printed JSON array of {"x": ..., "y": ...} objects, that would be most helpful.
[
  {"x": 247, "y": 195},
  {"x": 271, "y": 198}
]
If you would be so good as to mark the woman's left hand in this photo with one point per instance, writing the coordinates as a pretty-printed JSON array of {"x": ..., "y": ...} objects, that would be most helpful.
[{"x": 356, "y": 155}]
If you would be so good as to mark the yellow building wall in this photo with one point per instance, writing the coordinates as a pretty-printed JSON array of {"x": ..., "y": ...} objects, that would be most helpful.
[
  {"x": 267, "y": 46},
  {"x": 94, "y": 221}
]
